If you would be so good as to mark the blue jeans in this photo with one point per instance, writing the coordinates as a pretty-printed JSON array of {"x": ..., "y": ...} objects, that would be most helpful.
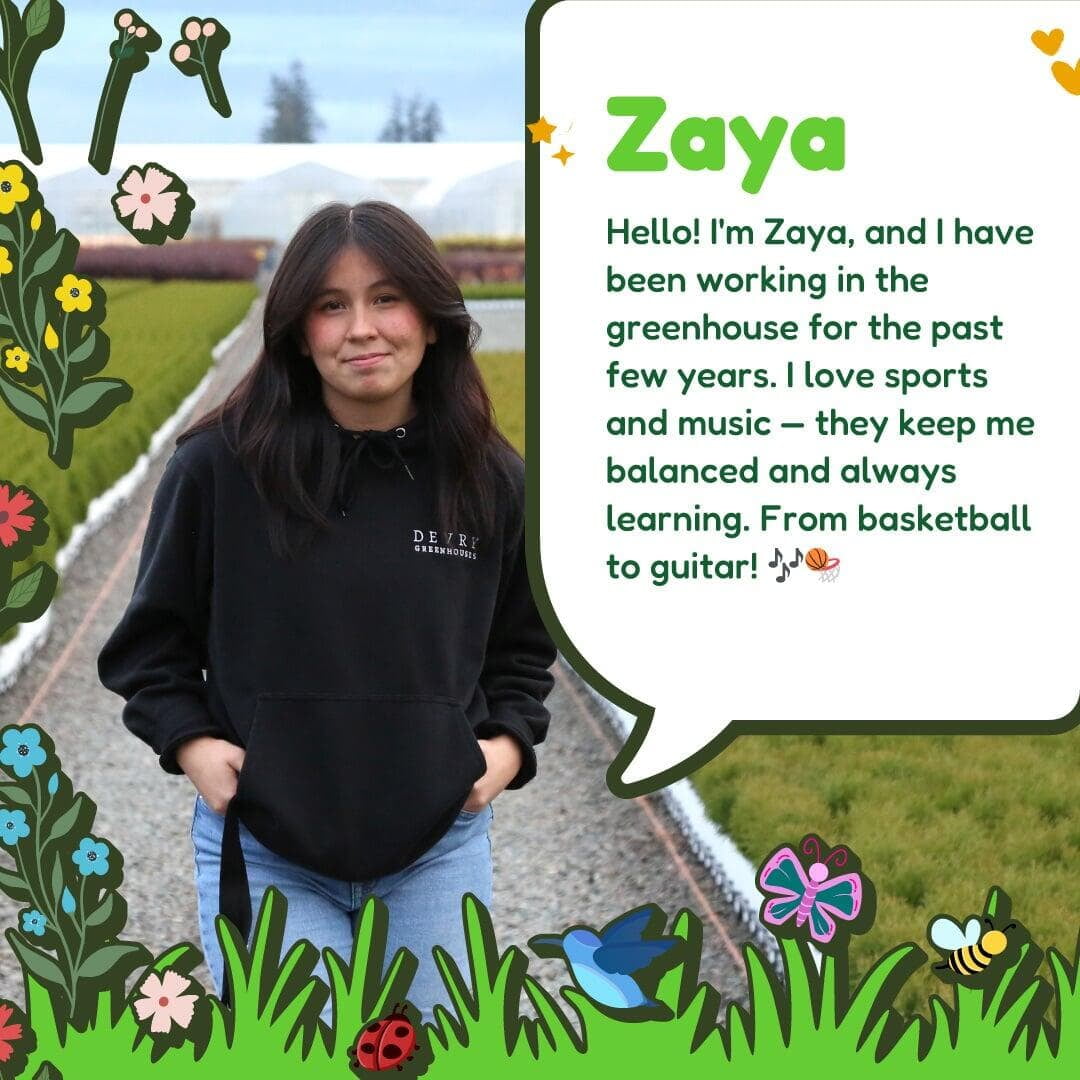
[{"x": 424, "y": 899}]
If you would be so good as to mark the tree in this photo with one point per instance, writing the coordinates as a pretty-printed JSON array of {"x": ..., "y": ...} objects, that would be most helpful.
[
  {"x": 414, "y": 120},
  {"x": 294, "y": 119}
]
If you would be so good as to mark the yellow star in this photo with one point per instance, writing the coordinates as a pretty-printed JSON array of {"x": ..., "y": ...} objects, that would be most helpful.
[
  {"x": 541, "y": 130},
  {"x": 563, "y": 155}
]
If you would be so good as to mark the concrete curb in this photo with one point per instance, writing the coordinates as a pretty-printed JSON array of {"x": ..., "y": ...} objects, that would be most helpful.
[{"x": 735, "y": 876}]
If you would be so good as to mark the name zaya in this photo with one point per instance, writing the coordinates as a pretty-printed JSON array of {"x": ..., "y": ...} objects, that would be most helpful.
[{"x": 699, "y": 142}]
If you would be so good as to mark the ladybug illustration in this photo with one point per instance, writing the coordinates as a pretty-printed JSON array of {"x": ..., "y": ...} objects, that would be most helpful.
[{"x": 385, "y": 1044}]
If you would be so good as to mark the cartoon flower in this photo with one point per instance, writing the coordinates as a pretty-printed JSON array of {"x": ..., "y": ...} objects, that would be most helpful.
[
  {"x": 92, "y": 857},
  {"x": 198, "y": 52},
  {"x": 147, "y": 198},
  {"x": 35, "y": 221},
  {"x": 22, "y": 751},
  {"x": 12, "y": 189},
  {"x": 165, "y": 1001},
  {"x": 17, "y": 358},
  {"x": 13, "y": 826},
  {"x": 9, "y": 1033},
  {"x": 33, "y": 922},
  {"x": 74, "y": 293},
  {"x": 6, "y": 265},
  {"x": 12, "y": 522},
  {"x": 51, "y": 338}
]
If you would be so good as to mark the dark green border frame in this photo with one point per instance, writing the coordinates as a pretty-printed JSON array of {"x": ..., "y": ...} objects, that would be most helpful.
[{"x": 642, "y": 712}]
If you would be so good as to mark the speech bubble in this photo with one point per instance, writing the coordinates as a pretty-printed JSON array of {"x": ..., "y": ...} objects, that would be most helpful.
[{"x": 860, "y": 220}]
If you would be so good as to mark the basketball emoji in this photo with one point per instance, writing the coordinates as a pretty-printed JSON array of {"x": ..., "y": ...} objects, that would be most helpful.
[{"x": 817, "y": 558}]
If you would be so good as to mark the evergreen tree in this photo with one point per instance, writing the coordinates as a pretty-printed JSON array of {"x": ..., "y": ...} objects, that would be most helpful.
[
  {"x": 414, "y": 120},
  {"x": 294, "y": 119}
]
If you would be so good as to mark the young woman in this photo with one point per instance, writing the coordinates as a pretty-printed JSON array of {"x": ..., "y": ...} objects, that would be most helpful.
[{"x": 332, "y": 632}]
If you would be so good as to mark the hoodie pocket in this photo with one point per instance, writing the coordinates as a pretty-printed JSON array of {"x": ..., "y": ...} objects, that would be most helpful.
[{"x": 355, "y": 787}]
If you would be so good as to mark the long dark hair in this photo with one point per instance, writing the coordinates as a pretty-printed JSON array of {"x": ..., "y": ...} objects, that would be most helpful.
[{"x": 275, "y": 420}]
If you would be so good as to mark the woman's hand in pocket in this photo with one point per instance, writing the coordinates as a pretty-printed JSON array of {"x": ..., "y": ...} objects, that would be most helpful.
[
  {"x": 213, "y": 766},
  {"x": 503, "y": 757}
]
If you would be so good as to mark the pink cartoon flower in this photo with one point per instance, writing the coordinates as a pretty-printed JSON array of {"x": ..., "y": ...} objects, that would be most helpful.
[
  {"x": 12, "y": 519},
  {"x": 147, "y": 198},
  {"x": 165, "y": 1001}
]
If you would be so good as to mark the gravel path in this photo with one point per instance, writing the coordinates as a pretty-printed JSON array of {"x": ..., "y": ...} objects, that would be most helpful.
[{"x": 566, "y": 850}]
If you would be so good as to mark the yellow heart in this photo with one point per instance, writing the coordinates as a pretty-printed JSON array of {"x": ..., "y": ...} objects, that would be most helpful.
[
  {"x": 1069, "y": 77},
  {"x": 1048, "y": 43}
]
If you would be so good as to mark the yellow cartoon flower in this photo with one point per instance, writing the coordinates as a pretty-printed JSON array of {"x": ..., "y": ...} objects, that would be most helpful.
[
  {"x": 5, "y": 261},
  {"x": 74, "y": 293},
  {"x": 51, "y": 340},
  {"x": 12, "y": 189},
  {"x": 35, "y": 221},
  {"x": 16, "y": 358}
]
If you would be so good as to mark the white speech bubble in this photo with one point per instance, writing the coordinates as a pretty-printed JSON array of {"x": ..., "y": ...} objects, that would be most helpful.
[{"x": 944, "y": 115}]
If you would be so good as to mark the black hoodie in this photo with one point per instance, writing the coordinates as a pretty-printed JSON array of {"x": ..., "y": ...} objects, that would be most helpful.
[{"x": 357, "y": 676}]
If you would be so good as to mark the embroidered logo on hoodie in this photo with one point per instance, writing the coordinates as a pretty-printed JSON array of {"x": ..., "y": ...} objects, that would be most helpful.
[{"x": 456, "y": 544}]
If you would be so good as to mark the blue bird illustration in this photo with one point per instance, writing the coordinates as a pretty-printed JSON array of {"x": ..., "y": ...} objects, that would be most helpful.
[{"x": 603, "y": 965}]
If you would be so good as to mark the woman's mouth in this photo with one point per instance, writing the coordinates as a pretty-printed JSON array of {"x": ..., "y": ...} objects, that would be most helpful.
[{"x": 365, "y": 361}]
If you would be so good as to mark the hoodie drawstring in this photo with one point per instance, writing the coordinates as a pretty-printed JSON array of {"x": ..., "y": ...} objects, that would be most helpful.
[{"x": 383, "y": 448}]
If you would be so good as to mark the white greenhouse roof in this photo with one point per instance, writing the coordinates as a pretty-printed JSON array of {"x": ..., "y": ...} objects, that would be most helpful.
[{"x": 450, "y": 187}]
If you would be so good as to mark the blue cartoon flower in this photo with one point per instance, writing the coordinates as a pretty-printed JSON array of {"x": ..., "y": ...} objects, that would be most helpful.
[
  {"x": 33, "y": 922},
  {"x": 22, "y": 750},
  {"x": 13, "y": 826},
  {"x": 92, "y": 857}
]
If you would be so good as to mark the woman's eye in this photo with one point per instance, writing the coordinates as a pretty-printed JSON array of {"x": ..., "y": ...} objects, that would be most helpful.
[
  {"x": 385, "y": 298},
  {"x": 332, "y": 305}
]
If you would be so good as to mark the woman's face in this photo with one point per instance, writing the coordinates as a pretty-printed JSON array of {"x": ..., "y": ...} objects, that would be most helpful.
[{"x": 366, "y": 339}]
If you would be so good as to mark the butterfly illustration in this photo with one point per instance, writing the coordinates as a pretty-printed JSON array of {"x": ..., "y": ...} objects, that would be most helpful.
[{"x": 810, "y": 894}]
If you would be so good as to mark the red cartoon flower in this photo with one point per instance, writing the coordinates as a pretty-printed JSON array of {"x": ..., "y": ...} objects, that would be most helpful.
[
  {"x": 9, "y": 1033},
  {"x": 12, "y": 519}
]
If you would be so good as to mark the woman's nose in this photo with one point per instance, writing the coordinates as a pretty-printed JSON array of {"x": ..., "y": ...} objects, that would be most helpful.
[{"x": 361, "y": 325}]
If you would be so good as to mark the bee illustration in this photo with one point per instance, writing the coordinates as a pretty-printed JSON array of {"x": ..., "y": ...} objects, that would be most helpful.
[{"x": 969, "y": 950}]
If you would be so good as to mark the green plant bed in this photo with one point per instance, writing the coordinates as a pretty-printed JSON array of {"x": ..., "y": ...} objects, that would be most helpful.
[
  {"x": 936, "y": 817},
  {"x": 472, "y": 241},
  {"x": 161, "y": 335},
  {"x": 504, "y": 376},
  {"x": 493, "y": 290}
]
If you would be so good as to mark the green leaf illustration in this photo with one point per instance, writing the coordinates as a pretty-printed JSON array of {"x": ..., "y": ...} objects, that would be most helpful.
[
  {"x": 101, "y": 913},
  {"x": 89, "y": 394},
  {"x": 39, "y": 314},
  {"x": 6, "y": 234},
  {"x": 84, "y": 350},
  {"x": 12, "y": 793},
  {"x": 47, "y": 259},
  {"x": 37, "y": 17},
  {"x": 29, "y": 406},
  {"x": 24, "y": 588},
  {"x": 14, "y": 885},
  {"x": 66, "y": 821},
  {"x": 42, "y": 966},
  {"x": 104, "y": 960},
  {"x": 48, "y": 1071}
]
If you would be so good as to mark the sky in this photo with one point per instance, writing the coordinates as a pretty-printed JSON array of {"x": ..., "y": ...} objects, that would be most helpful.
[{"x": 467, "y": 56}]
